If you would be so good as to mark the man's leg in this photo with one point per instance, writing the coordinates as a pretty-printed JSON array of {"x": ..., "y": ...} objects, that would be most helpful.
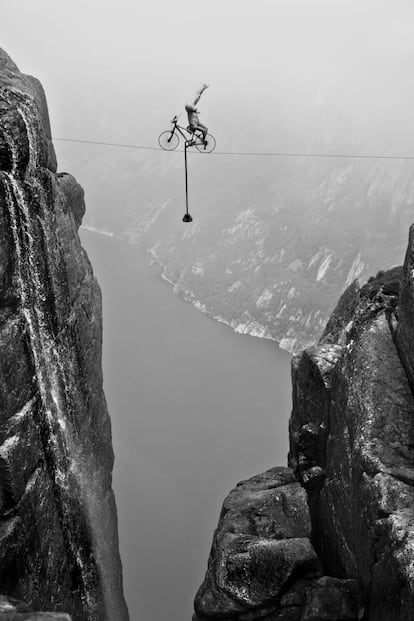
[
  {"x": 192, "y": 129},
  {"x": 203, "y": 129}
]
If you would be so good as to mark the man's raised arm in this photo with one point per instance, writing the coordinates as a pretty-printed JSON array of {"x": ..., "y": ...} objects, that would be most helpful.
[{"x": 199, "y": 93}]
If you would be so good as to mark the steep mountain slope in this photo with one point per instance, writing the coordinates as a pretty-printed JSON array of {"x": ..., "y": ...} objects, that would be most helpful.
[{"x": 58, "y": 531}]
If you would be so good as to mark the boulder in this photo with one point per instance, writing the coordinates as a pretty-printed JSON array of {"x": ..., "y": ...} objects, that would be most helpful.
[{"x": 260, "y": 550}]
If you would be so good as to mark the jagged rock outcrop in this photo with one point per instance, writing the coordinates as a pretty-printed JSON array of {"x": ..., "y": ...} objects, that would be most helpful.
[
  {"x": 403, "y": 328},
  {"x": 262, "y": 563},
  {"x": 352, "y": 451},
  {"x": 58, "y": 525},
  {"x": 352, "y": 444}
]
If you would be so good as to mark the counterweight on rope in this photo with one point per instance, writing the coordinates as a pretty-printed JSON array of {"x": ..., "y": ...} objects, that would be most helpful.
[{"x": 187, "y": 217}]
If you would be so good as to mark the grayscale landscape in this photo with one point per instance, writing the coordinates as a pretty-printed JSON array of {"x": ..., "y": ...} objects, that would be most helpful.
[{"x": 310, "y": 188}]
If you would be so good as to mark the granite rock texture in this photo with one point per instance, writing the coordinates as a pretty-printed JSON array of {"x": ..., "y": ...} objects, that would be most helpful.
[
  {"x": 402, "y": 319},
  {"x": 262, "y": 563},
  {"x": 349, "y": 489},
  {"x": 352, "y": 444},
  {"x": 14, "y": 610},
  {"x": 58, "y": 523}
]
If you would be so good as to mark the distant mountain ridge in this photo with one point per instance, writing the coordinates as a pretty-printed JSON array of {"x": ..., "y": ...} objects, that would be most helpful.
[
  {"x": 275, "y": 238},
  {"x": 273, "y": 242}
]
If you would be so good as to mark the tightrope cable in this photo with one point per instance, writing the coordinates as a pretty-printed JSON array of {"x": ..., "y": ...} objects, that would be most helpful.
[{"x": 247, "y": 153}]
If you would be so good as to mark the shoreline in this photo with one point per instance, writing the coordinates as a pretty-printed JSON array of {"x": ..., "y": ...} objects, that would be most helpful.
[{"x": 186, "y": 296}]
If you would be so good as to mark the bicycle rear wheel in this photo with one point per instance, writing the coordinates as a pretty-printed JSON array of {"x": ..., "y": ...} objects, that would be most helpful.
[
  {"x": 206, "y": 148},
  {"x": 168, "y": 140}
]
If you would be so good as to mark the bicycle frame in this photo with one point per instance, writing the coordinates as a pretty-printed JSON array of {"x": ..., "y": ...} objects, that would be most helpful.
[
  {"x": 193, "y": 137},
  {"x": 189, "y": 137}
]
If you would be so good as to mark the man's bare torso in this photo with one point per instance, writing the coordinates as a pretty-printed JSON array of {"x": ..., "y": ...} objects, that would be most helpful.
[{"x": 192, "y": 114}]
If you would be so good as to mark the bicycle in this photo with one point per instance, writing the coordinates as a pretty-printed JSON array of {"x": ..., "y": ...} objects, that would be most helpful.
[{"x": 169, "y": 140}]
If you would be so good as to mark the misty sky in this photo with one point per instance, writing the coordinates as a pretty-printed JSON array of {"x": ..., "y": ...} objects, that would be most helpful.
[{"x": 120, "y": 70}]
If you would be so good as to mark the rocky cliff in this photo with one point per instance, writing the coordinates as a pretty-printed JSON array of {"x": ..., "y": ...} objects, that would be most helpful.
[
  {"x": 332, "y": 536},
  {"x": 58, "y": 524}
]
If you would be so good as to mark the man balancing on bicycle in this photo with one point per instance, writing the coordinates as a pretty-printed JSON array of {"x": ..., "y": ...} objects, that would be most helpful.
[{"x": 192, "y": 112}]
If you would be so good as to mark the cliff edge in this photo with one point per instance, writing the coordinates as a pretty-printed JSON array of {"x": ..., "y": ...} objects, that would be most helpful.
[
  {"x": 58, "y": 523},
  {"x": 331, "y": 537}
]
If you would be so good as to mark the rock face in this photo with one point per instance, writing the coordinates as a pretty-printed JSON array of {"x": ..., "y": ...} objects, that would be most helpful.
[
  {"x": 263, "y": 564},
  {"x": 13, "y": 610},
  {"x": 352, "y": 444},
  {"x": 352, "y": 453},
  {"x": 403, "y": 328},
  {"x": 58, "y": 524}
]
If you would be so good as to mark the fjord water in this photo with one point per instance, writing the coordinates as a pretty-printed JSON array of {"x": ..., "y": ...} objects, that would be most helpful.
[{"x": 195, "y": 408}]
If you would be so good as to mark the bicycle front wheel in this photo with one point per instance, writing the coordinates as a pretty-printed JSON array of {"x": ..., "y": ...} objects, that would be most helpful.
[
  {"x": 168, "y": 140},
  {"x": 208, "y": 147}
]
